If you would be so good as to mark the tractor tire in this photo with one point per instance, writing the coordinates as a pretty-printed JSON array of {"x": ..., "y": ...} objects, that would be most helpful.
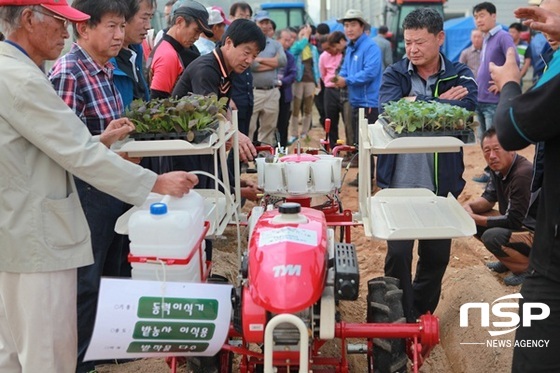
[{"x": 384, "y": 301}]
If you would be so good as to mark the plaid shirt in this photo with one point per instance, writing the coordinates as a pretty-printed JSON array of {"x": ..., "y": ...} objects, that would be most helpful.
[{"x": 87, "y": 89}]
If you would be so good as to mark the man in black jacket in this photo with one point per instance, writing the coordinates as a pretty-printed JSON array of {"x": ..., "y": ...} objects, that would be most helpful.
[
  {"x": 502, "y": 231},
  {"x": 522, "y": 119}
]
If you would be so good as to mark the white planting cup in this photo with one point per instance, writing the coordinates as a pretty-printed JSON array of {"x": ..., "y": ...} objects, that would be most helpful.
[
  {"x": 297, "y": 177},
  {"x": 274, "y": 178},
  {"x": 336, "y": 164},
  {"x": 260, "y": 162},
  {"x": 322, "y": 176}
]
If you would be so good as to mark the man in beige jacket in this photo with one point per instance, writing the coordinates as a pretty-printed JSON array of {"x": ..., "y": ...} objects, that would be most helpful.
[{"x": 44, "y": 235}]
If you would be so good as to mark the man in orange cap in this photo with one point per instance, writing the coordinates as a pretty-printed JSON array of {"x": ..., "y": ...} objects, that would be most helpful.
[{"x": 43, "y": 232}]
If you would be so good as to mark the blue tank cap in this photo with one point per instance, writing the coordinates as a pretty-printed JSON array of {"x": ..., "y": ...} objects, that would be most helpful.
[{"x": 158, "y": 208}]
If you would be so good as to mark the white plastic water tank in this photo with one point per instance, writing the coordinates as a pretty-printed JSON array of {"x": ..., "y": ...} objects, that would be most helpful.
[
  {"x": 167, "y": 230},
  {"x": 168, "y": 235}
]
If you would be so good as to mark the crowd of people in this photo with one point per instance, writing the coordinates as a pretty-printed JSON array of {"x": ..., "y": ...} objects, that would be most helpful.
[{"x": 62, "y": 188}]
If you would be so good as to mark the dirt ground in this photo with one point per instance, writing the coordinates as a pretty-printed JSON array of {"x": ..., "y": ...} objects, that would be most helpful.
[{"x": 466, "y": 280}]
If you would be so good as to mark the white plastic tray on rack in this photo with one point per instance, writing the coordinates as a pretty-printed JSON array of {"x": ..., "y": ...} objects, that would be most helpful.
[
  {"x": 151, "y": 148},
  {"x": 381, "y": 142},
  {"x": 408, "y": 214}
]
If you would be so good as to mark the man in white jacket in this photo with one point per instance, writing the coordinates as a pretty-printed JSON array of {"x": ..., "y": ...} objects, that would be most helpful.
[{"x": 44, "y": 235}]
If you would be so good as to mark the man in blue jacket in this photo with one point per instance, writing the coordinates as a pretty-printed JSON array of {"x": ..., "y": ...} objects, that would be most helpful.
[
  {"x": 361, "y": 73},
  {"x": 128, "y": 75},
  {"x": 425, "y": 74},
  {"x": 361, "y": 70}
]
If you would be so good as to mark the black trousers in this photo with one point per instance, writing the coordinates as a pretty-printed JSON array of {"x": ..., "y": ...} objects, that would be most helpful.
[
  {"x": 333, "y": 110},
  {"x": 495, "y": 238},
  {"x": 284, "y": 114},
  {"x": 422, "y": 294},
  {"x": 320, "y": 104},
  {"x": 538, "y": 289}
]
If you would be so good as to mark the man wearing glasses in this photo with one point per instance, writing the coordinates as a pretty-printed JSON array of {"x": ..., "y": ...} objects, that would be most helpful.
[
  {"x": 64, "y": 21},
  {"x": 44, "y": 234}
]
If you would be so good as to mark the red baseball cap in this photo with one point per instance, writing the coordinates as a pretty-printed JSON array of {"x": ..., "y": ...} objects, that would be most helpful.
[{"x": 59, "y": 7}]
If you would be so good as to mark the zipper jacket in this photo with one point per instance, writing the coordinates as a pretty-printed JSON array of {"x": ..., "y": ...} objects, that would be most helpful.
[
  {"x": 125, "y": 83},
  {"x": 362, "y": 70}
]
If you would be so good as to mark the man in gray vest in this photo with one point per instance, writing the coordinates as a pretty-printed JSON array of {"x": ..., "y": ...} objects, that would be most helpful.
[{"x": 265, "y": 83}]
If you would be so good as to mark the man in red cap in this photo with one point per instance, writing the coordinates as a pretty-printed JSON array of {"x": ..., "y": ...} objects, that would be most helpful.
[{"x": 43, "y": 231}]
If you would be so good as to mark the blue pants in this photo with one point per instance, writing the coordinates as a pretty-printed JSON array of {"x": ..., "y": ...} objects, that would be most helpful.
[
  {"x": 244, "y": 113},
  {"x": 485, "y": 113}
]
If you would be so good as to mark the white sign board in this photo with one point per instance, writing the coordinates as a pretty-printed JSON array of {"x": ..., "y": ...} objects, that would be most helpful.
[{"x": 156, "y": 319}]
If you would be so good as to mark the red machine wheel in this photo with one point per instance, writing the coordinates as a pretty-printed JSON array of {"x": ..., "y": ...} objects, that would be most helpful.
[{"x": 385, "y": 306}]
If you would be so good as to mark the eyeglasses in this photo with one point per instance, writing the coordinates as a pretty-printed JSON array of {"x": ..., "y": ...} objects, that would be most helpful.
[{"x": 64, "y": 21}]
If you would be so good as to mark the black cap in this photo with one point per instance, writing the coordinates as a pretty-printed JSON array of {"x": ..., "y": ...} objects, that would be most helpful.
[
  {"x": 290, "y": 208},
  {"x": 197, "y": 11}
]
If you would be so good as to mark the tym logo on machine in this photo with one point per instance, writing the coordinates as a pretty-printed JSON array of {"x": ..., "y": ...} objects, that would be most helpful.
[
  {"x": 287, "y": 270},
  {"x": 507, "y": 314}
]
